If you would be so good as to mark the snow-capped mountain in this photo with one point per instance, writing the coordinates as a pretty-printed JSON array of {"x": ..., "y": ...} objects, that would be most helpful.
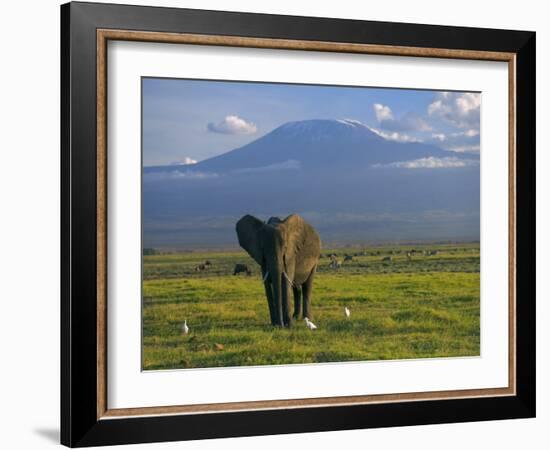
[
  {"x": 318, "y": 144},
  {"x": 343, "y": 177}
]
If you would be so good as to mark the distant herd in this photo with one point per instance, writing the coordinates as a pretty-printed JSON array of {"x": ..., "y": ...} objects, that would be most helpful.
[{"x": 335, "y": 263}]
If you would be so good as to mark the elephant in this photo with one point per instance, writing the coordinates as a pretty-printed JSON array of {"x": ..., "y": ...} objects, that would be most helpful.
[{"x": 288, "y": 253}]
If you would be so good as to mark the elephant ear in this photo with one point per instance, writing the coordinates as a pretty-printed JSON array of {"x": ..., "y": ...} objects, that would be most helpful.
[
  {"x": 294, "y": 221},
  {"x": 248, "y": 232}
]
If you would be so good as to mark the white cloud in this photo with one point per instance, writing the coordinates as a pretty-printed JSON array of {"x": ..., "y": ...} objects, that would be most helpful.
[
  {"x": 468, "y": 102},
  {"x": 290, "y": 164},
  {"x": 461, "y": 109},
  {"x": 394, "y": 135},
  {"x": 465, "y": 148},
  {"x": 186, "y": 161},
  {"x": 176, "y": 174},
  {"x": 382, "y": 112},
  {"x": 232, "y": 125},
  {"x": 461, "y": 141},
  {"x": 430, "y": 162},
  {"x": 408, "y": 122}
]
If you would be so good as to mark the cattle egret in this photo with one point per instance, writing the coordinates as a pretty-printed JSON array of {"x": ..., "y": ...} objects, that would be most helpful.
[
  {"x": 347, "y": 312},
  {"x": 184, "y": 327},
  {"x": 310, "y": 324}
]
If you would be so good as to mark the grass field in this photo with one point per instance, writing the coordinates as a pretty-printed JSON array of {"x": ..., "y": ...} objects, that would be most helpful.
[{"x": 423, "y": 307}]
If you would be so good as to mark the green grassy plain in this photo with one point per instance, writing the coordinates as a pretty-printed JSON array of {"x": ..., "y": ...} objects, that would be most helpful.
[{"x": 424, "y": 307}]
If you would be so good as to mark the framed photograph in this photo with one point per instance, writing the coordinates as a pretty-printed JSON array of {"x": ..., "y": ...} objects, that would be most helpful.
[{"x": 276, "y": 224}]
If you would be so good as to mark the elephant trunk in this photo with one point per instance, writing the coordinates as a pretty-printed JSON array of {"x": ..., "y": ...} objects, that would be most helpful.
[{"x": 276, "y": 273}]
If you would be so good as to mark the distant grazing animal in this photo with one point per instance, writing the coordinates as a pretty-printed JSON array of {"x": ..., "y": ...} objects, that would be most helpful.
[
  {"x": 347, "y": 312},
  {"x": 207, "y": 263},
  {"x": 185, "y": 328},
  {"x": 409, "y": 256},
  {"x": 334, "y": 263},
  {"x": 241, "y": 268},
  {"x": 201, "y": 268},
  {"x": 310, "y": 324},
  {"x": 348, "y": 258},
  {"x": 431, "y": 253},
  {"x": 387, "y": 258}
]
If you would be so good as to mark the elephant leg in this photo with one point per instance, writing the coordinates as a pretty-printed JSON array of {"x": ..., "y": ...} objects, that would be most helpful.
[
  {"x": 270, "y": 302},
  {"x": 287, "y": 318},
  {"x": 297, "y": 302},
  {"x": 307, "y": 287},
  {"x": 278, "y": 297}
]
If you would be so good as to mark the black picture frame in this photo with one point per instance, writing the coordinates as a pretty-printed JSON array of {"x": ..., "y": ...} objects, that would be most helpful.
[{"x": 80, "y": 425}]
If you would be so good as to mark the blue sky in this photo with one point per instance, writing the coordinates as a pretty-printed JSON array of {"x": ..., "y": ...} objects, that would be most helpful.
[{"x": 185, "y": 121}]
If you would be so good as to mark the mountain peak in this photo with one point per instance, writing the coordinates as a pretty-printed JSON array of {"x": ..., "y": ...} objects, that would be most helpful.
[
  {"x": 318, "y": 144},
  {"x": 332, "y": 132},
  {"x": 316, "y": 125}
]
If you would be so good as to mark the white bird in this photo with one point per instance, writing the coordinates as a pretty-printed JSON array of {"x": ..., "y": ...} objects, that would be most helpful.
[
  {"x": 347, "y": 312},
  {"x": 184, "y": 327},
  {"x": 310, "y": 324}
]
